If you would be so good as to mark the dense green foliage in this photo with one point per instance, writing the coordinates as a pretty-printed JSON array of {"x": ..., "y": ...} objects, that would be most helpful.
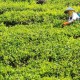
[{"x": 33, "y": 44}]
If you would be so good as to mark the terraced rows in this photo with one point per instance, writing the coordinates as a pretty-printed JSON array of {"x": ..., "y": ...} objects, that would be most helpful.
[{"x": 33, "y": 44}]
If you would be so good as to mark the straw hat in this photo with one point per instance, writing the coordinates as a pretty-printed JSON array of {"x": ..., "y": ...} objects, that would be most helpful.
[{"x": 69, "y": 9}]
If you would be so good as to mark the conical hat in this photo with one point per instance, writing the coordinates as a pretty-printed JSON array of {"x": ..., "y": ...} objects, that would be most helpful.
[{"x": 69, "y": 9}]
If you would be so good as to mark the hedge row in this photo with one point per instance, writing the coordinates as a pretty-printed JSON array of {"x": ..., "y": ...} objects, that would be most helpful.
[
  {"x": 41, "y": 52},
  {"x": 21, "y": 6},
  {"x": 26, "y": 17}
]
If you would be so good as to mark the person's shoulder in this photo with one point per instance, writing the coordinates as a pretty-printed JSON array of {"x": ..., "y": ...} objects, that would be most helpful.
[{"x": 75, "y": 14}]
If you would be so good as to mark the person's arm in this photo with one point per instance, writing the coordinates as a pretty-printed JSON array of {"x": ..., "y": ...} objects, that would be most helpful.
[
  {"x": 66, "y": 23},
  {"x": 73, "y": 18}
]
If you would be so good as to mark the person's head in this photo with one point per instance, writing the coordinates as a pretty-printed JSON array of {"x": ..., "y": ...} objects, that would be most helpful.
[{"x": 69, "y": 11}]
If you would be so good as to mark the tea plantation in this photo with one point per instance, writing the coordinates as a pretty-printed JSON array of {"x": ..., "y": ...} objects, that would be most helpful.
[{"x": 33, "y": 44}]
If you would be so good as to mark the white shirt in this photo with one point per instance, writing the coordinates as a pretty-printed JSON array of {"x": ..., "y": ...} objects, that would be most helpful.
[{"x": 73, "y": 17}]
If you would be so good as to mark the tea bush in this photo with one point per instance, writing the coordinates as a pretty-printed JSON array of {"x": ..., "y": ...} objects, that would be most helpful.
[{"x": 33, "y": 44}]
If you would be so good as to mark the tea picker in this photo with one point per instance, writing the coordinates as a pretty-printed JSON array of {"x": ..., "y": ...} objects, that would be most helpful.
[{"x": 72, "y": 16}]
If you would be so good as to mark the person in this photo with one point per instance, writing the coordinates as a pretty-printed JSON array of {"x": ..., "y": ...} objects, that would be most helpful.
[
  {"x": 72, "y": 16},
  {"x": 40, "y": 1}
]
